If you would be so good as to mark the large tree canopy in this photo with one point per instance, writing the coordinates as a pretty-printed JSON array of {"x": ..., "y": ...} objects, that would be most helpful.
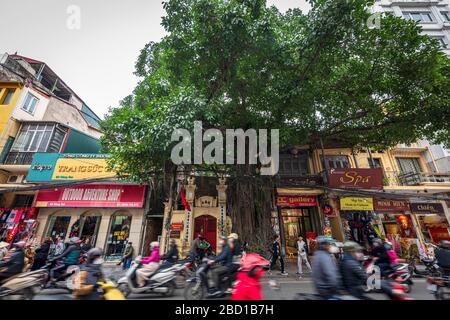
[{"x": 241, "y": 64}]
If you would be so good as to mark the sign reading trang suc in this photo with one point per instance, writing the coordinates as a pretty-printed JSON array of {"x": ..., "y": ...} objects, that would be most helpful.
[
  {"x": 48, "y": 167},
  {"x": 92, "y": 195},
  {"x": 356, "y": 178}
]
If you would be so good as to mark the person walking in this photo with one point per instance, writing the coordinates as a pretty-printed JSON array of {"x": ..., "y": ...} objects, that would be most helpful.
[
  {"x": 276, "y": 253},
  {"x": 127, "y": 256},
  {"x": 302, "y": 256}
]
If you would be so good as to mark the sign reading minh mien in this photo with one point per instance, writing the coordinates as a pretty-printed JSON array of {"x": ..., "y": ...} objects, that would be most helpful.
[{"x": 48, "y": 167}]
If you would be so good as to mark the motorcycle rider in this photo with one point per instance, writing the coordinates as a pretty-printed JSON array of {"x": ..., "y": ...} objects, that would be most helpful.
[
  {"x": 383, "y": 261},
  {"x": 15, "y": 263},
  {"x": 171, "y": 256},
  {"x": 149, "y": 264},
  {"x": 325, "y": 273},
  {"x": 196, "y": 251},
  {"x": 352, "y": 273},
  {"x": 90, "y": 275},
  {"x": 70, "y": 256},
  {"x": 443, "y": 256},
  {"x": 225, "y": 258},
  {"x": 248, "y": 286},
  {"x": 41, "y": 254}
]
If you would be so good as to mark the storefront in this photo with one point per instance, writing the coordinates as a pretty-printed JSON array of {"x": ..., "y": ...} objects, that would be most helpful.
[
  {"x": 299, "y": 217},
  {"x": 110, "y": 215},
  {"x": 432, "y": 221},
  {"x": 396, "y": 224},
  {"x": 17, "y": 224}
]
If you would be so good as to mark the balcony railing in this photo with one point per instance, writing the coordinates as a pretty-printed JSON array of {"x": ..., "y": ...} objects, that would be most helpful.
[
  {"x": 19, "y": 158},
  {"x": 394, "y": 178}
]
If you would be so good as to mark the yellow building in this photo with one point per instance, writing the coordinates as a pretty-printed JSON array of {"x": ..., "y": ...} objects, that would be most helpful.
[{"x": 9, "y": 94}]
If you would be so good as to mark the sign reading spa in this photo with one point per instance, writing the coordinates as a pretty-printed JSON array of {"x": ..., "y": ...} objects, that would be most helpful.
[
  {"x": 48, "y": 167},
  {"x": 356, "y": 178},
  {"x": 92, "y": 195}
]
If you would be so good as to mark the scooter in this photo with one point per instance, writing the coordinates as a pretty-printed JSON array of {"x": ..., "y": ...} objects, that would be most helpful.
[
  {"x": 162, "y": 281},
  {"x": 23, "y": 286},
  {"x": 400, "y": 274},
  {"x": 198, "y": 287},
  {"x": 439, "y": 286}
]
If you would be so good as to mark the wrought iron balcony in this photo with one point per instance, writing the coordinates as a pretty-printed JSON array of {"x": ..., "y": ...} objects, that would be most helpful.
[
  {"x": 19, "y": 158},
  {"x": 394, "y": 178}
]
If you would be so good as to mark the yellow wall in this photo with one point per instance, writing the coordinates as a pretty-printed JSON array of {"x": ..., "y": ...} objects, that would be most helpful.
[{"x": 8, "y": 127}]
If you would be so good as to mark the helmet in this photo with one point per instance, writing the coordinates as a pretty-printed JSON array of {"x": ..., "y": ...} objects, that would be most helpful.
[
  {"x": 233, "y": 236},
  {"x": 154, "y": 244},
  {"x": 351, "y": 246},
  {"x": 20, "y": 244},
  {"x": 223, "y": 238},
  {"x": 377, "y": 241},
  {"x": 74, "y": 240},
  {"x": 251, "y": 260},
  {"x": 324, "y": 240},
  {"x": 388, "y": 245},
  {"x": 94, "y": 253},
  {"x": 444, "y": 244}
]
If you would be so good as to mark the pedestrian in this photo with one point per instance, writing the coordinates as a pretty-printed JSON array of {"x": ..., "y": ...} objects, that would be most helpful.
[
  {"x": 41, "y": 254},
  {"x": 302, "y": 256},
  {"x": 127, "y": 256},
  {"x": 277, "y": 254}
]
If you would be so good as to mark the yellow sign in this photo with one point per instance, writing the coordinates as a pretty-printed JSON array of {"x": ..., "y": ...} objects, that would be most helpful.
[
  {"x": 80, "y": 168},
  {"x": 357, "y": 204}
]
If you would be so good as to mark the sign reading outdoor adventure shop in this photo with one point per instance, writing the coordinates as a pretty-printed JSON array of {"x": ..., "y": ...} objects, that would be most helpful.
[
  {"x": 390, "y": 205},
  {"x": 48, "y": 167},
  {"x": 364, "y": 204},
  {"x": 427, "y": 208},
  {"x": 93, "y": 195},
  {"x": 296, "y": 201},
  {"x": 356, "y": 178}
]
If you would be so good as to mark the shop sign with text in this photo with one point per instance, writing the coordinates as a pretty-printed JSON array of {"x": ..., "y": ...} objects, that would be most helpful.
[
  {"x": 356, "y": 178},
  {"x": 390, "y": 205},
  {"x": 350, "y": 203},
  {"x": 47, "y": 167},
  {"x": 88, "y": 196},
  {"x": 427, "y": 208},
  {"x": 296, "y": 201}
]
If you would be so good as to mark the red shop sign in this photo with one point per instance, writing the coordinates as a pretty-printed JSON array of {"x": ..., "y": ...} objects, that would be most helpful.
[
  {"x": 177, "y": 226},
  {"x": 390, "y": 205},
  {"x": 93, "y": 195},
  {"x": 296, "y": 201},
  {"x": 356, "y": 178}
]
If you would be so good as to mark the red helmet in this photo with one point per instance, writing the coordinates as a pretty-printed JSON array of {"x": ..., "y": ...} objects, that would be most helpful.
[{"x": 251, "y": 260}]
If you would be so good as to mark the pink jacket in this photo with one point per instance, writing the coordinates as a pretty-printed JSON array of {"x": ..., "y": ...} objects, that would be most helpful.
[
  {"x": 154, "y": 257},
  {"x": 393, "y": 256}
]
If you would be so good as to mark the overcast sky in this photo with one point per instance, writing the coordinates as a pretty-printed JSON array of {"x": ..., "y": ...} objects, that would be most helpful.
[{"x": 96, "y": 60}]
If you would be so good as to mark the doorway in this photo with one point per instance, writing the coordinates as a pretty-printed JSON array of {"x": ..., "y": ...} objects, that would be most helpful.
[
  {"x": 58, "y": 226},
  {"x": 207, "y": 226},
  {"x": 298, "y": 222}
]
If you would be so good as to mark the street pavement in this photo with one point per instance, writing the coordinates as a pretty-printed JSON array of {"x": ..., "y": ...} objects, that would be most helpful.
[{"x": 289, "y": 286}]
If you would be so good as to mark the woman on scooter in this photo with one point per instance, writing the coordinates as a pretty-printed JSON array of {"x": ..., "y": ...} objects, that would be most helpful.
[
  {"x": 392, "y": 254},
  {"x": 149, "y": 264},
  {"x": 248, "y": 286}
]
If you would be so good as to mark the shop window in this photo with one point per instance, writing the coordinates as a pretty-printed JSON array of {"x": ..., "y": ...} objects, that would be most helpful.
[
  {"x": 23, "y": 200},
  {"x": 58, "y": 226},
  {"x": 118, "y": 237},
  {"x": 7, "y": 96}
]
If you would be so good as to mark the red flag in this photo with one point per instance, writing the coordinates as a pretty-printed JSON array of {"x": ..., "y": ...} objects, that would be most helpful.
[{"x": 185, "y": 203}]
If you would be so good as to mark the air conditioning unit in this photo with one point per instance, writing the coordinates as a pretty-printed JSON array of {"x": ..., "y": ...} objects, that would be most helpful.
[{"x": 16, "y": 179}]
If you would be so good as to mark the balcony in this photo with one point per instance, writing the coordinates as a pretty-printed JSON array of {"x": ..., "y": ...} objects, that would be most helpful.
[
  {"x": 19, "y": 158},
  {"x": 394, "y": 178}
]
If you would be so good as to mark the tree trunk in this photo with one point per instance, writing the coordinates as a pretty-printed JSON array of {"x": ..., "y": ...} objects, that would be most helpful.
[{"x": 249, "y": 204}]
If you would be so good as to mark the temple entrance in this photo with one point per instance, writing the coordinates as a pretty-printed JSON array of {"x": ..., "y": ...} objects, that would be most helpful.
[{"x": 207, "y": 226}]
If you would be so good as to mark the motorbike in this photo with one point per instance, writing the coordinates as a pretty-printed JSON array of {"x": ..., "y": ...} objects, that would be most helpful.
[
  {"x": 400, "y": 274},
  {"x": 162, "y": 281},
  {"x": 197, "y": 287},
  {"x": 430, "y": 264},
  {"x": 23, "y": 286},
  {"x": 439, "y": 286}
]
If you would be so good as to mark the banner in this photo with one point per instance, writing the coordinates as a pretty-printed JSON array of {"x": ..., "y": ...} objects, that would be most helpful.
[
  {"x": 93, "y": 195},
  {"x": 296, "y": 201},
  {"x": 363, "y": 204},
  {"x": 427, "y": 208},
  {"x": 356, "y": 178}
]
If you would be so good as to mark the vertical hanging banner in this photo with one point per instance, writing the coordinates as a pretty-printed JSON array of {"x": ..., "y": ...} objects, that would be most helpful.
[{"x": 187, "y": 207}]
